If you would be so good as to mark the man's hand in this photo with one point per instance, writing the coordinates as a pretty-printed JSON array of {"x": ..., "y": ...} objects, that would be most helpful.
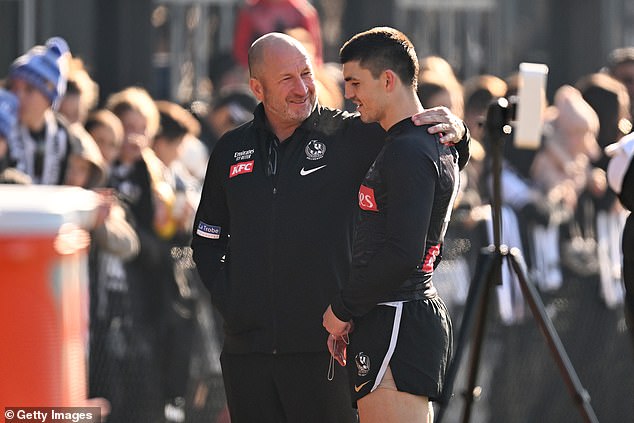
[
  {"x": 338, "y": 338},
  {"x": 338, "y": 348},
  {"x": 334, "y": 326},
  {"x": 449, "y": 126}
]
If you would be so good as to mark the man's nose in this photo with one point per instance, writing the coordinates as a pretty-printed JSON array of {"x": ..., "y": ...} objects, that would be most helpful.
[
  {"x": 348, "y": 93},
  {"x": 300, "y": 86}
]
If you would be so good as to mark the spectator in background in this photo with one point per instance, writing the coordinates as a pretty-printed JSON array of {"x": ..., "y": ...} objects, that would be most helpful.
[
  {"x": 113, "y": 243},
  {"x": 564, "y": 173},
  {"x": 162, "y": 298},
  {"x": 620, "y": 176},
  {"x": 82, "y": 93},
  {"x": 621, "y": 67},
  {"x": 436, "y": 90},
  {"x": 136, "y": 168},
  {"x": 562, "y": 168},
  {"x": 610, "y": 100},
  {"x": 8, "y": 121},
  {"x": 225, "y": 72},
  {"x": 523, "y": 204},
  {"x": 182, "y": 287},
  {"x": 439, "y": 65},
  {"x": 230, "y": 108},
  {"x": 86, "y": 166},
  {"x": 439, "y": 86},
  {"x": 479, "y": 92},
  {"x": 136, "y": 176},
  {"x": 107, "y": 131},
  {"x": 41, "y": 145},
  {"x": 193, "y": 158},
  {"x": 259, "y": 17},
  {"x": 176, "y": 123}
]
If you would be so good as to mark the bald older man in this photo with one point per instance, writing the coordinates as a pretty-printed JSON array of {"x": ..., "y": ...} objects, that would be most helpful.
[{"x": 273, "y": 232}]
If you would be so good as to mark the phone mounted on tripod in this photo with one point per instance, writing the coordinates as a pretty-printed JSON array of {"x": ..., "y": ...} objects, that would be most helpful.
[{"x": 522, "y": 117}]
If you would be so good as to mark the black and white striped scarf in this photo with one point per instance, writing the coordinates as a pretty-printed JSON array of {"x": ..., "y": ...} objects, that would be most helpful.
[{"x": 23, "y": 149}]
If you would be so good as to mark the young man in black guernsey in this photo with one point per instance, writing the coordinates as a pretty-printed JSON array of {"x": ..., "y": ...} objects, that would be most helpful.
[{"x": 400, "y": 334}]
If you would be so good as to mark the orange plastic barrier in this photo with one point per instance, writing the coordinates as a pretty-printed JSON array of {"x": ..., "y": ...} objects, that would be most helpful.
[{"x": 44, "y": 295}]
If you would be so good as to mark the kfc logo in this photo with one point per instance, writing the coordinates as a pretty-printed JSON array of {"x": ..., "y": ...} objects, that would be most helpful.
[
  {"x": 366, "y": 199},
  {"x": 240, "y": 168}
]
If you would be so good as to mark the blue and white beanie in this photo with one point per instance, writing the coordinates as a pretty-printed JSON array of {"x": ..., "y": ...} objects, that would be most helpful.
[
  {"x": 8, "y": 113},
  {"x": 45, "y": 67}
]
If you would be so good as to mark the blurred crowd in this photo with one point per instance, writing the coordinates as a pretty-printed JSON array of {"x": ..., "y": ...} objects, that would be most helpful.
[
  {"x": 153, "y": 337},
  {"x": 151, "y": 325},
  {"x": 557, "y": 205}
]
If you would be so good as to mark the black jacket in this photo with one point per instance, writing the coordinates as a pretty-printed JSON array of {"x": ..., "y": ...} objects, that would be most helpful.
[{"x": 274, "y": 249}]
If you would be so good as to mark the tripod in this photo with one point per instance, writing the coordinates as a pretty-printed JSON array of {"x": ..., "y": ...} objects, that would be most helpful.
[{"x": 488, "y": 274}]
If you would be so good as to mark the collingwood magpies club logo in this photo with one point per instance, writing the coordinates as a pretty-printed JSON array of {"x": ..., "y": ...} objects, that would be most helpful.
[
  {"x": 363, "y": 364},
  {"x": 315, "y": 150}
]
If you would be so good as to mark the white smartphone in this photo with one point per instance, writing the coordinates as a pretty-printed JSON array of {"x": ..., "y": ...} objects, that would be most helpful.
[{"x": 531, "y": 102}]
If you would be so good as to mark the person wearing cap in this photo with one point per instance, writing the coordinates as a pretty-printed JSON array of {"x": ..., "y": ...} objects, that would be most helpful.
[
  {"x": 40, "y": 147},
  {"x": 620, "y": 176},
  {"x": 8, "y": 120}
]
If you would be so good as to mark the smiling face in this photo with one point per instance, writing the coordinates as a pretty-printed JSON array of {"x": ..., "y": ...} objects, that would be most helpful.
[
  {"x": 283, "y": 81},
  {"x": 367, "y": 92}
]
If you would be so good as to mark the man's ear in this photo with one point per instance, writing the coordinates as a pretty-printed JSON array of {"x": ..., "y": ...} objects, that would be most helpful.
[
  {"x": 389, "y": 80},
  {"x": 256, "y": 88}
]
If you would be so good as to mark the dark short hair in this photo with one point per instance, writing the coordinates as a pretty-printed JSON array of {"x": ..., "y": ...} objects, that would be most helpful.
[
  {"x": 176, "y": 121},
  {"x": 382, "y": 48}
]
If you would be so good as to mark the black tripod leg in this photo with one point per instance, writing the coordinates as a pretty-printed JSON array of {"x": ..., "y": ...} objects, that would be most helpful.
[
  {"x": 492, "y": 278},
  {"x": 475, "y": 311},
  {"x": 578, "y": 393}
]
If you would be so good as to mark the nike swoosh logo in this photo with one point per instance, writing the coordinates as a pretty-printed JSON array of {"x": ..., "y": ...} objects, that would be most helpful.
[
  {"x": 304, "y": 172},
  {"x": 358, "y": 388}
]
